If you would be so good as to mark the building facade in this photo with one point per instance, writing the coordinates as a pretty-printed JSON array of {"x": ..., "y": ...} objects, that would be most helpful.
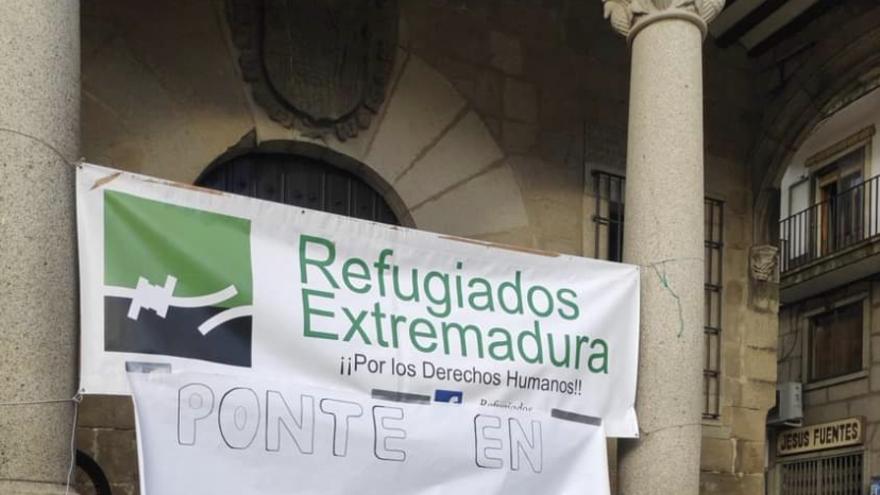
[
  {"x": 531, "y": 123},
  {"x": 829, "y": 344}
]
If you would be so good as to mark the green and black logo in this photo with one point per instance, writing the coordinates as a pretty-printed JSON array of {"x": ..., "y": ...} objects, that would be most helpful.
[{"x": 177, "y": 281}]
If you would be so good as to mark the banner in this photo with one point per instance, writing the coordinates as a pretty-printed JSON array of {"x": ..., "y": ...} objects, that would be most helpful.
[
  {"x": 181, "y": 278},
  {"x": 221, "y": 435}
]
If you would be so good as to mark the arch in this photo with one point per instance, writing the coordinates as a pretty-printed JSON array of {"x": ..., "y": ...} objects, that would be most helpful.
[
  {"x": 835, "y": 72},
  {"x": 433, "y": 149},
  {"x": 427, "y": 142},
  {"x": 248, "y": 146}
]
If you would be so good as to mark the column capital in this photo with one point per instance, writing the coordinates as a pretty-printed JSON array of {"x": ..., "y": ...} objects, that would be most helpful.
[{"x": 628, "y": 17}]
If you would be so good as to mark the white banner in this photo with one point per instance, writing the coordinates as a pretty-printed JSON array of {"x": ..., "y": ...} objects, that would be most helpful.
[
  {"x": 182, "y": 278},
  {"x": 231, "y": 435}
]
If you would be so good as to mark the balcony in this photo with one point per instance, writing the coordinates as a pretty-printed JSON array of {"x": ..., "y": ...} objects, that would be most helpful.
[{"x": 831, "y": 243}]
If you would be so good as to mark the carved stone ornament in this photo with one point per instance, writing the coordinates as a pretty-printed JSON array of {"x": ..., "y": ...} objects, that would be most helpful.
[
  {"x": 763, "y": 262},
  {"x": 625, "y": 15},
  {"x": 319, "y": 65}
]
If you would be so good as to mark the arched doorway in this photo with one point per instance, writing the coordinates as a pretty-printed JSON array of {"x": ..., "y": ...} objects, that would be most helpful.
[{"x": 300, "y": 180}]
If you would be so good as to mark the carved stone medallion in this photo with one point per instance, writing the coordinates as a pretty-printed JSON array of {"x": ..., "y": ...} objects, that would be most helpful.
[
  {"x": 763, "y": 263},
  {"x": 319, "y": 65}
]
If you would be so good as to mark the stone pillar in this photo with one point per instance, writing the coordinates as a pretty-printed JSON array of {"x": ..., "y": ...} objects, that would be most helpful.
[
  {"x": 663, "y": 234},
  {"x": 39, "y": 137}
]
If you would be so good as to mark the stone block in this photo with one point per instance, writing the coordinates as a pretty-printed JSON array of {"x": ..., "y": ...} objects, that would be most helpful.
[
  {"x": 761, "y": 364},
  {"x": 758, "y": 394},
  {"x": 488, "y": 203},
  {"x": 85, "y": 440},
  {"x": 868, "y": 407},
  {"x": 762, "y": 334},
  {"x": 117, "y": 455},
  {"x": 106, "y": 411},
  {"x": 748, "y": 424},
  {"x": 815, "y": 397},
  {"x": 518, "y": 137},
  {"x": 421, "y": 107},
  {"x": 464, "y": 151},
  {"x": 828, "y": 412},
  {"x": 731, "y": 484},
  {"x": 716, "y": 455},
  {"x": 848, "y": 390},
  {"x": 520, "y": 101},
  {"x": 750, "y": 457},
  {"x": 875, "y": 378},
  {"x": 731, "y": 360},
  {"x": 506, "y": 53}
]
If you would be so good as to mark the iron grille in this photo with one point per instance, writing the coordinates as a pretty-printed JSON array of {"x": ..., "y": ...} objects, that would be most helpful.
[
  {"x": 831, "y": 226},
  {"x": 714, "y": 246},
  {"x": 300, "y": 181},
  {"x": 838, "y": 475},
  {"x": 608, "y": 217}
]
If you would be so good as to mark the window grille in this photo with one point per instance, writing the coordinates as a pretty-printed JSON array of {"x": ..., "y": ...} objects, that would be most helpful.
[
  {"x": 608, "y": 218},
  {"x": 840, "y": 474},
  {"x": 300, "y": 181},
  {"x": 713, "y": 212}
]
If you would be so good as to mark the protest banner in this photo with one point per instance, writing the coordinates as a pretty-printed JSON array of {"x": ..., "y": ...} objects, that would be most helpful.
[
  {"x": 201, "y": 433},
  {"x": 181, "y": 278}
]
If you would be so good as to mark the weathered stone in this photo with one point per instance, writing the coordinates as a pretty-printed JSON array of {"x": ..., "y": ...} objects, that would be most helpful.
[
  {"x": 762, "y": 364},
  {"x": 748, "y": 424},
  {"x": 506, "y": 53},
  {"x": 520, "y": 101},
  {"x": 750, "y": 457},
  {"x": 848, "y": 390},
  {"x": 828, "y": 412},
  {"x": 490, "y": 202},
  {"x": 106, "y": 411},
  {"x": 117, "y": 453},
  {"x": 518, "y": 137},
  {"x": 464, "y": 151},
  {"x": 716, "y": 455},
  {"x": 815, "y": 397},
  {"x": 422, "y": 106},
  {"x": 40, "y": 102}
]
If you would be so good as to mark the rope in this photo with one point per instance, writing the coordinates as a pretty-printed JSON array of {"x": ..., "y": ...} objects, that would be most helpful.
[{"x": 76, "y": 399}]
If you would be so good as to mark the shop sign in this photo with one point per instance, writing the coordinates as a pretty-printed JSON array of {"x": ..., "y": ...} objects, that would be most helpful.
[{"x": 842, "y": 433}]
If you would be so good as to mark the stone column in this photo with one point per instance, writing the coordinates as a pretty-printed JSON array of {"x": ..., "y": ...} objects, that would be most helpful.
[
  {"x": 39, "y": 137},
  {"x": 663, "y": 234}
]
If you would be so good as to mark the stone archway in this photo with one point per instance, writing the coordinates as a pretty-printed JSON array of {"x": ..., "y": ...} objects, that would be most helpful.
[
  {"x": 433, "y": 149},
  {"x": 836, "y": 69}
]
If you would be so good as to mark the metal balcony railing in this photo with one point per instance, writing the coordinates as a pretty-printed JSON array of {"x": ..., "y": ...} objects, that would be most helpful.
[{"x": 830, "y": 226}]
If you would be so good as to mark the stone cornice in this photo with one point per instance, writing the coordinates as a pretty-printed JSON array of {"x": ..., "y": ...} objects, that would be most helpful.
[{"x": 628, "y": 17}]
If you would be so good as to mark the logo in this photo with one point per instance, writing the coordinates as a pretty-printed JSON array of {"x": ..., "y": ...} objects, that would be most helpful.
[
  {"x": 450, "y": 396},
  {"x": 177, "y": 281}
]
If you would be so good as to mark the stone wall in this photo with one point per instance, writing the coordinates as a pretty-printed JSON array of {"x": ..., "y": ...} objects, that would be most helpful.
[
  {"x": 497, "y": 114},
  {"x": 859, "y": 394}
]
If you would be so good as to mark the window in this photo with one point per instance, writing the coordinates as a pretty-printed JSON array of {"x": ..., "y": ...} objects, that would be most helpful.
[
  {"x": 836, "y": 342},
  {"x": 835, "y": 207},
  {"x": 840, "y": 474},
  {"x": 301, "y": 181},
  {"x": 608, "y": 218},
  {"x": 841, "y": 212},
  {"x": 714, "y": 245}
]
